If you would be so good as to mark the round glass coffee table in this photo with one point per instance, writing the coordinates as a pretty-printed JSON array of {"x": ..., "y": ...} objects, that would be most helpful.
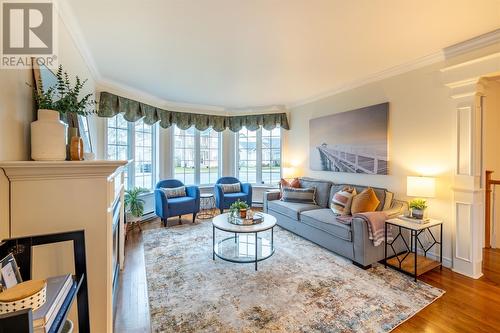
[{"x": 247, "y": 243}]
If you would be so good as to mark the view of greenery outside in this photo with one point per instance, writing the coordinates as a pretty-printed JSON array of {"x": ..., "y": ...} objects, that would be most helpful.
[
  {"x": 143, "y": 159},
  {"x": 117, "y": 148},
  {"x": 185, "y": 146},
  {"x": 119, "y": 137},
  {"x": 209, "y": 156},
  {"x": 269, "y": 155},
  {"x": 247, "y": 161}
]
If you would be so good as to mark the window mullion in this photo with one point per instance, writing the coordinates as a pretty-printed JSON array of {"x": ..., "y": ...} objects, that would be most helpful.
[
  {"x": 259, "y": 156},
  {"x": 237, "y": 156},
  {"x": 197, "y": 157},
  {"x": 131, "y": 153},
  {"x": 219, "y": 155}
]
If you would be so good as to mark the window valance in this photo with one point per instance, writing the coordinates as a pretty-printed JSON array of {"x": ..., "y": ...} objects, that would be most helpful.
[{"x": 111, "y": 105}]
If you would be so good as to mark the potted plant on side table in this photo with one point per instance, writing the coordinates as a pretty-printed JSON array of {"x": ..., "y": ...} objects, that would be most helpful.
[
  {"x": 239, "y": 207},
  {"x": 134, "y": 206},
  {"x": 418, "y": 207},
  {"x": 61, "y": 101}
]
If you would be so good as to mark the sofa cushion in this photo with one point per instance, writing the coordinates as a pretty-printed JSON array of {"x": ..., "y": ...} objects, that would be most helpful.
[
  {"x": 181, "y": 204},
  {"x": 300, "y": 195},
  {"x": 174, "y": 192},
  {"x": 326, "y": 220},
  {"x": 290, "y": 209},
  {"x": 238, "y": 195},
  {"x": 342, "y": 200},
  {"x": 389, "y": 196},
  {"x": 366, "y": 201},
  {"x": 322, "y": 196},
  {"x": 379, "y": 192},
  {"x": 231, "y": 188}
]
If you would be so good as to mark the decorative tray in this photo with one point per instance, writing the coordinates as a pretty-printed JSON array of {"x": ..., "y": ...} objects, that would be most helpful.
[{"x": 257, "y": 218}]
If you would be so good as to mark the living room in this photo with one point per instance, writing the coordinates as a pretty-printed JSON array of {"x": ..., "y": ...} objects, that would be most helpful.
[{"x": 250, "y": 166}]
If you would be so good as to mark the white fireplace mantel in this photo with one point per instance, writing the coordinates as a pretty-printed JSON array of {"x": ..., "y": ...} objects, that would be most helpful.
[{"x": 53, "y": 197}]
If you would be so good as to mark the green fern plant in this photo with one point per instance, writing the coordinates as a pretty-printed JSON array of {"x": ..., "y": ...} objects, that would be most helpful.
[
  {"x": 63, "y": 96},
  {"x": 133, "y": 203}
]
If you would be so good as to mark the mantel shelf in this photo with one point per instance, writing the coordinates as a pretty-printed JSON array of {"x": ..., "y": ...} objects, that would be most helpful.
[{"x": 21, "y": 170}]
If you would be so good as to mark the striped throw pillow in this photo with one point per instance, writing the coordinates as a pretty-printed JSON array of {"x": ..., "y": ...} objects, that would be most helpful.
[
  {"x": 175, "y": 192},
  {"x": 299, "y": 195},
  {"x": 231, "y": 188},
  {"x": 341, "y": 201}
]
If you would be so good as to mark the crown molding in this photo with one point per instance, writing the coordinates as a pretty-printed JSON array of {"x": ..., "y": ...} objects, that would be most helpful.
[
  {"x": 70, "y": 22},
  {"x": 145, "y": 97},
  {"x": 140, "y": 95},
  {"x": 441, "y": 55}
]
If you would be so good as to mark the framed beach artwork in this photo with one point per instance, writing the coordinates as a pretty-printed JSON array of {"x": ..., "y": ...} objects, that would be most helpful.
[{"x": 353, "y": 141}]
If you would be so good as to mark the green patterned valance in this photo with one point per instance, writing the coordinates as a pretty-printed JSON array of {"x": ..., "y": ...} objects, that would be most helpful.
[{"x": 111, "y": 105}]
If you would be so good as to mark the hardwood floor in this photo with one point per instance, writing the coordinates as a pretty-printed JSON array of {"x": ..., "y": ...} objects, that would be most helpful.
[{"x": 467, "y": 306}]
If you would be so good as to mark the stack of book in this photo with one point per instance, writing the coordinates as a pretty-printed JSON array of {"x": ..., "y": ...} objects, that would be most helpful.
[
  {"x": 58, "y": 288},
  {"x": 414, "y": 220}
]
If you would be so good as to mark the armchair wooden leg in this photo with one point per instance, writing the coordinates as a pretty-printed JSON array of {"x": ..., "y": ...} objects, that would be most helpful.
[
  {"x": 194, "y": 217},
  {"x": 164, "y": 221},
  {"x": 221, "y": 210},
  {"x": 180, "y": 219}
]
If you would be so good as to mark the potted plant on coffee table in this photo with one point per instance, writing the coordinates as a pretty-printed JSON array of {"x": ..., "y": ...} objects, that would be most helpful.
[
  {"x": 134, "y": 205},
  {"x": 240, "y": 207},
  {"x": 418, "y": 207}
]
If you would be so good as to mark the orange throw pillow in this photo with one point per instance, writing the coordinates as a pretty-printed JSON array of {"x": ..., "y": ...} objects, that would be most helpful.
[{"x": 366, "y": 201}]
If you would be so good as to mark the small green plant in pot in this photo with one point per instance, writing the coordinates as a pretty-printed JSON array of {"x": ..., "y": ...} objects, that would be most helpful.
[
  {"x": 418, "y": 207},
  {"x": 240, "y": 207},
  {"x": 134, "y": 205}
]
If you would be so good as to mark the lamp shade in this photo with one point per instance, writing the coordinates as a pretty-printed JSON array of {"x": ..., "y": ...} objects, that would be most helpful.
[
  {"x": 422, "y": 187},
  {"x": 289, "y": 172}
]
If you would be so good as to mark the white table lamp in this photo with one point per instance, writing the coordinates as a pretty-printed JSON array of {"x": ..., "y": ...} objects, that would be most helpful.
[{"x": 420, "y": 187}]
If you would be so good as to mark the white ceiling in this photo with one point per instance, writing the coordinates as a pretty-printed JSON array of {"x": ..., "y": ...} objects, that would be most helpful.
[{"x": 244, "y": 53}]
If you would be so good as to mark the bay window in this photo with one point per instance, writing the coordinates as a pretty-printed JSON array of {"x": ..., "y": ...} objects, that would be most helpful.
[
  {"x": 137, "y": 141},
  {"x": 258, "y": 156},
  {"x": 196, "y": 156}
]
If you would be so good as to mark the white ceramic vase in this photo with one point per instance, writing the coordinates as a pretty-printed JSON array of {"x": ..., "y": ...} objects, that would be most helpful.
[{"x": 48, "y": 137}]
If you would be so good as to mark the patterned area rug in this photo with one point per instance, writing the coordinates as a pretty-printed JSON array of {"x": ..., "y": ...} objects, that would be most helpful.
[{"x": 301, "y": 288}]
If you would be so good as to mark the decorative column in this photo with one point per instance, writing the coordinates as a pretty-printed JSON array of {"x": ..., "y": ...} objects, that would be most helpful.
[{"x": 466, "y": 84}]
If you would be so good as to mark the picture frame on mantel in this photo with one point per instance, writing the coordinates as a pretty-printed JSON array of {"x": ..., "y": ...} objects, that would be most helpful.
[{"x": 47, "y": 77}]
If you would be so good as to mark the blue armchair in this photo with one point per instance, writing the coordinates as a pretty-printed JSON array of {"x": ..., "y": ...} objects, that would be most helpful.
[
  {"x": 224, "y": 200},
  {"x": 165, "y": 208}
]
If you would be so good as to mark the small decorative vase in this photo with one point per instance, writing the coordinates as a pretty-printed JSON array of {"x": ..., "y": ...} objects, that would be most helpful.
[
  {"x": 76, "y": 149},
  {"x": 48, "y": 137},
  {"x": 243, "y": 213},
  {"x": 417, "y": 213}
]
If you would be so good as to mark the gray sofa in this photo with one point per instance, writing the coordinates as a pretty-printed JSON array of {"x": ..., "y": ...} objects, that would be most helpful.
[{"x": 318, "y": 223}]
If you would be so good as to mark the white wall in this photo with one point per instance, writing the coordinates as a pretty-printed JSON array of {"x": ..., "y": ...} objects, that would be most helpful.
[
  {"x": 491, "y": 151},
  {"x": 16, "y": 114},
  {"x": 421, "y": 135},
  {"x": 17, "y": 110}
]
